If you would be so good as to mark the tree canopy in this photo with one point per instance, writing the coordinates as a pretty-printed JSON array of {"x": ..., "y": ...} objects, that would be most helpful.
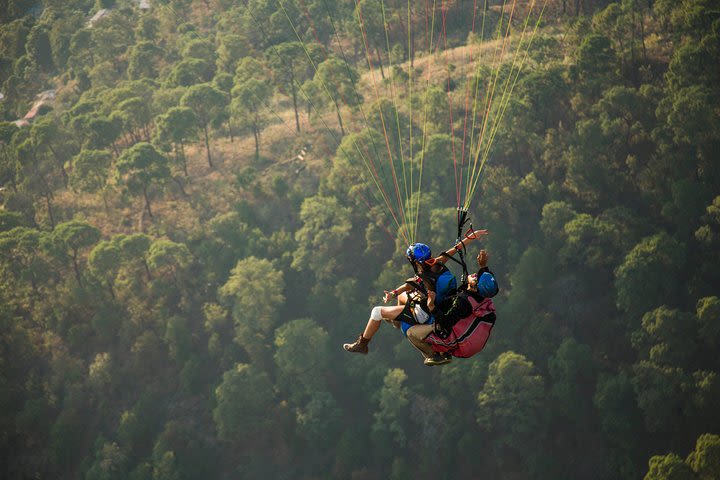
[{"x": 201, "y": 201}]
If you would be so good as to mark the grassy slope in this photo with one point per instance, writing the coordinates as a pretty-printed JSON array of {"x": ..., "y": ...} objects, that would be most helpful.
[{"x": 215, "y": 191}]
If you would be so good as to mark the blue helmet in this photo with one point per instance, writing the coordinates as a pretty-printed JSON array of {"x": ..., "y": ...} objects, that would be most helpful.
[
  {"x": 418, "y": 252},
  {"x": 487, "y": 286}
]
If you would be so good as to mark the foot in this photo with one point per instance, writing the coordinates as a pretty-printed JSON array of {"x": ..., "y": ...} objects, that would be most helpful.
[
  {"x": 438, "y": 359},
  {"x": 360, "y": 346}
]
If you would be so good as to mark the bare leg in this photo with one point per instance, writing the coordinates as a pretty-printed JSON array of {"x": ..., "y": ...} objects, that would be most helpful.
[
  {"x": 417, "y": 334},
  {"x": 381, "y": 313},
  {"x": 388, "y": 313},
  {"x": 370, "y": 329}
]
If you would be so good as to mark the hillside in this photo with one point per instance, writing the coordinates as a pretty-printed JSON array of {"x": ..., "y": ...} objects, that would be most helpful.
[{"x": 202, "y": 201}]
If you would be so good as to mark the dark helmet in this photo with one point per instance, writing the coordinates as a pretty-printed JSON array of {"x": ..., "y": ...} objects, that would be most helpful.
[{"x": 418, "y": 252}]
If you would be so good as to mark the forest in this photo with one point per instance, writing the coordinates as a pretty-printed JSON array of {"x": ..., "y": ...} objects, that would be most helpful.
[{"x": 192, "y": 224}]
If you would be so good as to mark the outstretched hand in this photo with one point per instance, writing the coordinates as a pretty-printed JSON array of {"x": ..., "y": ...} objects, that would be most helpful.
[
  {"x": 477, "y": 233},
  {"x": 474, "y": 235},
  {"x": 482, "y": 259},
  {"x": 388, "y": 296}
]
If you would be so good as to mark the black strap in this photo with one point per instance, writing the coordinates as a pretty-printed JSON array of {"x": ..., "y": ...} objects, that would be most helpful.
[
  {"x": 417, "y": 286},
  {"x": 450, "y": 257},
  {"x": 462, "y": 219}
]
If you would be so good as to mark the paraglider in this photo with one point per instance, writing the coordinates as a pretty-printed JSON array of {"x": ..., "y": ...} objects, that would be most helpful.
[
  {"x": 462, "y": 322},
  {"x": 432, "y": 284},
  {"x": 388, "y": 156}
]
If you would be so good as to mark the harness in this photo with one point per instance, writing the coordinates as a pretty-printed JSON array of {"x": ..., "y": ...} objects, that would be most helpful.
[
  {"x": 468, "y": 335},
  {"x": 429, "y": 279},
  {"x": 462, "y": 219},
  {"x": 455, "y": 308}
]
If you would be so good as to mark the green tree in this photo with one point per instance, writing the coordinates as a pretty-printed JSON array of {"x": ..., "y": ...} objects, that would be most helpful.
[
  {"x": 36, "y": 172},
  {"x": 61, "y": 30},
  {"x": 111, "y": 462},
  {"x": 707, "y": 312},
  {"x": 588, "y": 239},
  {"x": 692, "y": 122},
  {"x": 232, "y": 48},
  {"x": 620, "y": 419},
  {"x": 228, "y": 239},
  {"x": 249, "y": 102},
  {"x": 667, "y": 337},
  {"x": 14, "y": 33},
  {"x": 81, "y": 49},
  {"x": 291, "y": 69},
  {"x": 166, "y": 468},
  {"x": 320, "y": 419},
  {"x": 338, "y": 83},
  {"x": 177, "y": 126},
  {"x": 135, "y": 250},
  {"x": 596, "y": 63},
  {"x": 147, "y": 28},
  {"x": 38, "y": 48},
  {"x": 168, "y": 258},
  {"x": 69, "y": 238},
  {"x": 370, "y": 13},
  {"x": 22, "y": 257},
  {"x": 573, "y": 380},
  {"x": 7, "y": 157},
  {"x": 105, "y": 261},
  {"x": 668, "y": 467},
  {"x": 325, "y": 228},
  {"x": 199, "y": 48},
  {"x": 437, "y": 157},
  {"x": 142, "y": 60},
  {"x": 191, "y": 71},
  {"x": 207, "y": 103},
  {"x": 225, "y": 83},
  {"x": 435, "y": 108},
  {"x": 10, "y": 220},
  {"x": 136, "y": 116},
  {"x": 111, "y": 36},
  {"x": 102, "y": 132},
  {"x": 301, "y": 346},
  {"x": 49, "y": 139},
  {"x": 555, "y": 215},
  {"x": 511, "y": 408},
  {"x": 389, "y": 428},
  {"x": 705, "y": 459},
  {"x": 140, "y": 167},
  {"x": 250, "y": 67},
  {"x": 661, "y": 392},
  {"x": 244, "y": 404},
  {"x": 640, "y": 279},
  {"x": 177, "y": 338},
  {"x": 90, "y": 171},
  {"x": 253, "y": 307},
  {"x": 194, "y": 456}
]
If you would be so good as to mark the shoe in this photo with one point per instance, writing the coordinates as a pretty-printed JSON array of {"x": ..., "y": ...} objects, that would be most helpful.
[
  {"x": 438, "y": 359},
  {"x": 360, "y": 346}
]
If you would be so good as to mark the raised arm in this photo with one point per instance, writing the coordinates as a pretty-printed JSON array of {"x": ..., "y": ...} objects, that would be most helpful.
[
  {"x": 405, "y": 287},
  {"x": 470, "y": 237}
]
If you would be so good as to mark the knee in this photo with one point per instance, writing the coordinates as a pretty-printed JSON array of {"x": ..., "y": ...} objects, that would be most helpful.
[
  {"x": 376, "y": 314},
  {"x": 418, "y": 333},
  {"x": 412, "y": 334}
]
